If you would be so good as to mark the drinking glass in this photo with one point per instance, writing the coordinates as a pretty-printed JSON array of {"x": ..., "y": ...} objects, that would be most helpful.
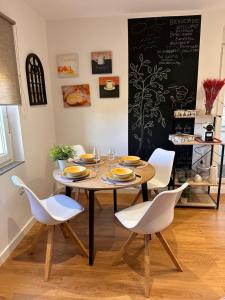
[
  {"x": 96, "y": 159},
  {"x": 111, "y": 158}
]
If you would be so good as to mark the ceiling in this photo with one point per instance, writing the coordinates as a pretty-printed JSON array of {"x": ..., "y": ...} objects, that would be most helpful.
[{"x": 68, "y": 9}]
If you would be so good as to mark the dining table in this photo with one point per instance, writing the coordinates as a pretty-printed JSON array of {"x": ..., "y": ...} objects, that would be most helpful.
[{"x": 97, "y": 181}]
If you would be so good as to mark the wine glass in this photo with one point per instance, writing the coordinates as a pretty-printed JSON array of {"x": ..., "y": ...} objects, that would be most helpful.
[
  {"x": 111, "y": 153},
  {"x": 111, "y": 157},
  {"x": 96, "y": 158}
]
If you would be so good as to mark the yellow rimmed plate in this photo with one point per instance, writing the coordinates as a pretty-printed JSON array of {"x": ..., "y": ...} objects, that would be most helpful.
[
  {"x": 110, "y": 176},
  {"x": 130, "y": 159},
  {"x": 87, "y": 157},
  {"x": 74, "y": 171},
  {"x": 83, "y": 175},
  {"x": 121, "y": 172}
]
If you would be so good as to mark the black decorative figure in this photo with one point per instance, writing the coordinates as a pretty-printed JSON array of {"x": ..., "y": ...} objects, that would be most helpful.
[{"x": 35, "y": 80}]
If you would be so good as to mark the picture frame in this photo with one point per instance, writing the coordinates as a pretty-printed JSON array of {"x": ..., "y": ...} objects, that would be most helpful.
[{"x": 67, "y": 65}]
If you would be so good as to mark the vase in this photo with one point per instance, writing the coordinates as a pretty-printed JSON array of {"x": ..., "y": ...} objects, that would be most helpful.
[
  {"x": 208, "y": 110},
  {"x": 62, "y": 164}
]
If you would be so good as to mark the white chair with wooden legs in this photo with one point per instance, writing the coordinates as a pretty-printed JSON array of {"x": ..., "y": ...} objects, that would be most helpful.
[
  {"x": 79, "y": 149},
  {"x": 149, "y": 218},
  {"x": 50, "y": 212},
  {"x": 162, "y": 160}
]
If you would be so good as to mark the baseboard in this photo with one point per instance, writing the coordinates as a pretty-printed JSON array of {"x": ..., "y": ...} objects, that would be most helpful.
[{"x": 15, "y": 241}]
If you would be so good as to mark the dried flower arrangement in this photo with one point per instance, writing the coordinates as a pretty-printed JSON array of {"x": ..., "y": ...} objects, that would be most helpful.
[{"x": 212, "y": 88}]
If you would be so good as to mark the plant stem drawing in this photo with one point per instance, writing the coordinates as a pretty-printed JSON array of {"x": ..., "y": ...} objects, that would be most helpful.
[{"x": 145, "y": 106}]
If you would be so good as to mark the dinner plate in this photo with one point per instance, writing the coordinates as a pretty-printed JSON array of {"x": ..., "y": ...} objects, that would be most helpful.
[
  {"x": 128, "y": 164},
  {"x": 110, "y": 176},
  {"x": 121, "y": 172},
  {"x": 86, "y": 162},
  {"x": 68, "y": 175}
]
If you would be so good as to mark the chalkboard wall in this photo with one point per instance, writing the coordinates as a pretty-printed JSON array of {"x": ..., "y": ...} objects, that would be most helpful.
[{"x": 163, "y": 70}]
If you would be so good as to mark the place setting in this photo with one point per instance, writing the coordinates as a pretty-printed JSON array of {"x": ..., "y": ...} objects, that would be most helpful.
[
  {"x": 76, "y": 173},
  {"x": 133, "y": 162},
  {"x": 88, "y": 160},
  {"x": 120, "y": 176}
]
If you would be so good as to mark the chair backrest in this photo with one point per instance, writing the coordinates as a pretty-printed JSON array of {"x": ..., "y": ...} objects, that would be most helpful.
[
  {"x": 162, "y": 161},
  {"x": 38, "y": 210},
  {"x": 160, "y": 213},
  {"x": 79, "y": 149}
]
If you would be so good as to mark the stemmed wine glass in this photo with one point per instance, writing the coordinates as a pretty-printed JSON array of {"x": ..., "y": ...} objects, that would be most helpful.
[
  {"x": 111, "y": 157},
  {"x": 96, "y": 158}
]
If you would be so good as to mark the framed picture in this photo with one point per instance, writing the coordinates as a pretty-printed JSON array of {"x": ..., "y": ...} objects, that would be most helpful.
[
  {"x": 101, "y": 62},
  {"x": 76, "y": 95},
  {"x": 109, "y": 87},
  {"x": 67, "y": 65}
]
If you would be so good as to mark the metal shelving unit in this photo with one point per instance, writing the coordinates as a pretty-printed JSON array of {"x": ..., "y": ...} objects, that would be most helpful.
[{"x": 206, "y": 201}]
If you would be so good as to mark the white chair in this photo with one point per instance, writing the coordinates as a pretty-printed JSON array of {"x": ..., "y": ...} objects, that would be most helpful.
[
  {"x": 148, "y": 218},
  {"x": 52, "y": 211},
  {"x": 162, "y": 160}
]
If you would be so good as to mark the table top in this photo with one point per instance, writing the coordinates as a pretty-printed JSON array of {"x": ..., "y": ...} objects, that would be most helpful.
[{"x": 146, "y": 172}]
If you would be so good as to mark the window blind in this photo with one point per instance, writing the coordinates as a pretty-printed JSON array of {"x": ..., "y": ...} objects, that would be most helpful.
[{"x": 9, "y": 82}]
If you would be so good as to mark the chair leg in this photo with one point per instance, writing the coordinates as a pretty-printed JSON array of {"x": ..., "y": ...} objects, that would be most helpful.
[
  {"x": 124, "y": 249},
  {"x": 75, "y": 238},
  {"x": 169, "y": 251},
  {"x": 96, "y": 199},
  {"x": 136, "y": 198},
  {"x": 64, "y": 231},
  {"x": 36, "y": 239},
  {"x": 48, "y": 259},
  {"x": 147, "y": 265}
]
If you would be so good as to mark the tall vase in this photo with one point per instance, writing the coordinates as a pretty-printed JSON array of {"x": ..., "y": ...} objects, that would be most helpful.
[
  {"x": 208, "y": 110},
  {"x": 62, "y": 164}
]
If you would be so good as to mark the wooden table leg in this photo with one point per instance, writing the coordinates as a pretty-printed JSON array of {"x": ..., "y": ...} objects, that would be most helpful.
[
  {"x": 144, "y": 188},
  {"x": 91, "y": 226},
  {"x": 115, "y": 200},
  {"x": 68, "y": 191}
]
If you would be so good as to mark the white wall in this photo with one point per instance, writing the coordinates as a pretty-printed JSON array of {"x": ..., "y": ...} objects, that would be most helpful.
[
  {"x": 106, "y": 121},
  {"x": 37, "y": 129}
]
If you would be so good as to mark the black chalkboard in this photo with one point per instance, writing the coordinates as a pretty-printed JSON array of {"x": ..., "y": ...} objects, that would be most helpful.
[{"x": 163, "y": 71}]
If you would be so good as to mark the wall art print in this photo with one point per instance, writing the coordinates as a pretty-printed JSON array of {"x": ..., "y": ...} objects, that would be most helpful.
[
  {"x": 67, "y": 65},
  {"x": 35, "y": 80},
  {"x": 109, "y": 87},
  {"x": 163, "y": 70},
  {"x": 76, "y": 95},
  {"x": 101, "y": 62}
]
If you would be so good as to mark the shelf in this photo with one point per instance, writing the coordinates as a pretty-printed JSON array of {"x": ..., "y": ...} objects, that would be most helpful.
[
  {"x": 198, "y": 200},
  {"x": 184, "y": 117},
  {"x": 193, "y": 183},
  {"x": 195, "y": 143}
]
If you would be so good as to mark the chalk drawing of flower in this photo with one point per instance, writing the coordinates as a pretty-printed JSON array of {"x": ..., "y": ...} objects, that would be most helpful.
[{"x": 150, "y": 93}]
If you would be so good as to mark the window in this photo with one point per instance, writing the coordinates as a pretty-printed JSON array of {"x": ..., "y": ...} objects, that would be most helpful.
[{"x": 5, "y": 137}]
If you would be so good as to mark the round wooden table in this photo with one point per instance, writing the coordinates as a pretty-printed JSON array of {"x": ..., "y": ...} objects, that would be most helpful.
[{"x": 96, "y": 183}]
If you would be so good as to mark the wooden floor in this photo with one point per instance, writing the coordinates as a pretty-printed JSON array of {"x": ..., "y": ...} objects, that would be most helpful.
[{"x": 197, "y": 236}]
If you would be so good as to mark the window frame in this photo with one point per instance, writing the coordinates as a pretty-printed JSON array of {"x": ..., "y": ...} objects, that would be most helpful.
[{"x": 5, "y": 136}]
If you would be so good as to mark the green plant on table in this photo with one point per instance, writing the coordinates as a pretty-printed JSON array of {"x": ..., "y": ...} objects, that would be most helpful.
[{"x": 61, "y": 152}]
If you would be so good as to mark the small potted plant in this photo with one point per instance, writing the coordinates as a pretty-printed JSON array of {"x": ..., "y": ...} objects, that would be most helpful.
[{"x": 61, "y": 153}]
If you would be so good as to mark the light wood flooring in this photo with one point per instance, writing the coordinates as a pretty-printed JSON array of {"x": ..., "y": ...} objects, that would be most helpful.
[{"x": 197, "y": 237}]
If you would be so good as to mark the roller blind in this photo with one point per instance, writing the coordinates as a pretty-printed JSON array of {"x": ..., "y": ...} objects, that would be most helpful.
[{"x": 9, "y": 83}]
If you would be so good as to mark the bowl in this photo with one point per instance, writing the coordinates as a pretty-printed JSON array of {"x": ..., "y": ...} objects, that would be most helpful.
[
  {"x": 131, "y": 159},
  {"x": 87, "y": 157},
  {"x": 121, "y": 172},
  {"x": 74, "y": 171}
]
